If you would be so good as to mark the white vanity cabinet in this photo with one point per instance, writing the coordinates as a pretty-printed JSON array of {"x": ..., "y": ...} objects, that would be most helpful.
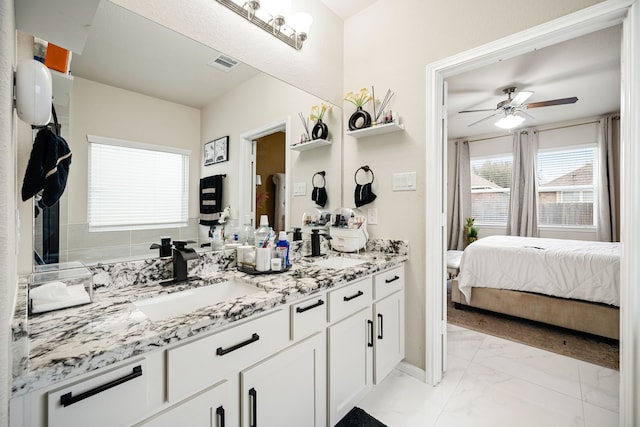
[
  {"x": 365, "y": 338},
  {"x": 287, "y": 389}
]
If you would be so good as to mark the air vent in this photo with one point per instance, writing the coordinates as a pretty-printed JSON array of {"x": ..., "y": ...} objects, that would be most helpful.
[{"x": 224, "y": 63}]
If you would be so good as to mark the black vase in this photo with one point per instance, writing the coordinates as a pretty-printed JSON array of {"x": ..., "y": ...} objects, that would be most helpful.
[
  {"x": 320, "y": 130},
  {"x": 359, "y": 120}
]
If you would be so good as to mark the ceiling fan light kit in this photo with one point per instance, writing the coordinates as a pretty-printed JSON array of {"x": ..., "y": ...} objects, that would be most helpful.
[{"x": 513, "y": 109}]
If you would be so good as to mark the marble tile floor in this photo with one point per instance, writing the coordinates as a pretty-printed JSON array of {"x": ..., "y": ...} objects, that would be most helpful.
[{"x": 498, "y": 383}]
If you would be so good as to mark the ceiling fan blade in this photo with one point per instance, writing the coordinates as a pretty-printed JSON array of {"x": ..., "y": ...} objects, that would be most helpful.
[
  {"x": 476, "y": 111},
  {"x": 486, "y": 118},
  {"x": 524, "y": 113},
  {"x": 552, "y": 102},
  {"x": 520, "y": 98}
]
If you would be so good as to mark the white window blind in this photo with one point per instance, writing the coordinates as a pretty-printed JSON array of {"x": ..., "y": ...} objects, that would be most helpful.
[
  {"x": 490, "y": 188},
  {"x": 136, "y": 186},
  {"x": 567, "y": 186}
]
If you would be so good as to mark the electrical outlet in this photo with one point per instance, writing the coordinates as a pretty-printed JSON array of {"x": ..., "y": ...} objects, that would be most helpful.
[{"x": 372, "y": 216}]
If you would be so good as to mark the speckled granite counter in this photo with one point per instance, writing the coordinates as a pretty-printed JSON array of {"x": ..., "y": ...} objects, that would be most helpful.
[{"x": 58, "y": 345}]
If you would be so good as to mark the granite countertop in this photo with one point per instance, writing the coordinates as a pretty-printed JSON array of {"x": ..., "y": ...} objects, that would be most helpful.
[{"x": 54, "y": 346}]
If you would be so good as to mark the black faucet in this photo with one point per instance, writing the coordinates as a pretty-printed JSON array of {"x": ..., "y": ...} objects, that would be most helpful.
[
  {"x": 315, "y": 241},
  {"x": 164, "y": 246},
  {"x": 181, "y": 253}
]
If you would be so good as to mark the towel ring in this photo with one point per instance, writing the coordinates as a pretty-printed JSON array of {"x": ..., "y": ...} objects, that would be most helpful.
[
  {"x": 366, "y": 169},
  {"x": 321, "y": 174}
]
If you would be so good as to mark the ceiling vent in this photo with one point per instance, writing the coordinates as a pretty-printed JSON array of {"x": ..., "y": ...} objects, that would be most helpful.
[{"x": 224, "y": 63}]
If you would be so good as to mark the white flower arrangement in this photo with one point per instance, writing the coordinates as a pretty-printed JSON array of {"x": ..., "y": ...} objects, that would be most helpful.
[{"x": 226, "y": 213}]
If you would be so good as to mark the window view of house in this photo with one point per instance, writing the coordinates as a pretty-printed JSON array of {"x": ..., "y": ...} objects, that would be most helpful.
[{"x": 490, "y": 188}]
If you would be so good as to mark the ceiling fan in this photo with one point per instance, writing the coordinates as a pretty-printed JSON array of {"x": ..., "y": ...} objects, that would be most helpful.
[{"x": 513, "y": 109}]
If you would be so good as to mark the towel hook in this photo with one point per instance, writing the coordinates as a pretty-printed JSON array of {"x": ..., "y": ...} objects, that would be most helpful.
[
  {"x": 322, "y": 175},
  {"x": 365, "y": 169}
]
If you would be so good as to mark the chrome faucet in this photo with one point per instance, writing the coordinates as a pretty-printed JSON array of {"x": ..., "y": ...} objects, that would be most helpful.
[{"x": 181, "y": 253}]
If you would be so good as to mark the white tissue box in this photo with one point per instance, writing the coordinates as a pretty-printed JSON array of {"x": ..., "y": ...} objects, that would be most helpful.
[{"x": 55, "y": 286}]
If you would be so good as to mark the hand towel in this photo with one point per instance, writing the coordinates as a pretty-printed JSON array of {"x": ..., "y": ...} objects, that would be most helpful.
[{"x": 211, "y": 200}]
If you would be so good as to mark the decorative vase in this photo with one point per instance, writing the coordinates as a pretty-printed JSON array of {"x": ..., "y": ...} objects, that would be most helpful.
[
  {"x": 320, "y": 130},
  {"x": 359, "y": 120}
]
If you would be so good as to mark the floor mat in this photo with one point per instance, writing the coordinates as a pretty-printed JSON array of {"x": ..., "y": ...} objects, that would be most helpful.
[{"x": 359, "y": 418}]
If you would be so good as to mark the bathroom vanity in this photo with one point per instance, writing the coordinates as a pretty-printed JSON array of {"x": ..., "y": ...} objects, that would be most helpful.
[{"x": 300, "y": 350}]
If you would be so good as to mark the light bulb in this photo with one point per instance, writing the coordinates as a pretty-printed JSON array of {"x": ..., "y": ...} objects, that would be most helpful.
[{"x": 510, "y": 121}]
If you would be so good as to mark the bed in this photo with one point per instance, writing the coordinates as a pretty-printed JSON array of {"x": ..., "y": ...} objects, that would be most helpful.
[{"x": 569, "y": 283}]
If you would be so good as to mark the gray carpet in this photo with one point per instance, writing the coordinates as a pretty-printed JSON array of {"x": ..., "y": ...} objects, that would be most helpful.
[{"x": 581, "y": 346}]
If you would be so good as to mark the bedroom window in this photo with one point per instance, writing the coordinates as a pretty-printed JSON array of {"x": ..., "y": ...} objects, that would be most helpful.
[
  {"x": 136, "y": 186},
  {"x": 566, "y": 186},
  {"x": 490, "y": 188}
]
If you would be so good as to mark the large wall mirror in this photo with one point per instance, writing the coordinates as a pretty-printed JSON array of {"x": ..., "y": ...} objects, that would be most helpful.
[{"x": 139, "y": 81}]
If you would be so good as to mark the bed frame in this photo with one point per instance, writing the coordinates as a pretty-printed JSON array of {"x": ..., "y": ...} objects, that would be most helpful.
[{"x": 593, "y": 318}]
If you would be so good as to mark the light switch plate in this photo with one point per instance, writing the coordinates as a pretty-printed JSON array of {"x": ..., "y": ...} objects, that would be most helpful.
[
  {"x": 372, "y": 216},
  {"x": 405, "y": 181},
  {"x": 300, "y": 189}
]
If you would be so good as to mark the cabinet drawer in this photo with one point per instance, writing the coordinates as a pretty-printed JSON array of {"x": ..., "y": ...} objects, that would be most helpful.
[
  {"x": 349, "y": 299},
  {"x": 196, "y": 365},
  {"x": 117, "y": 397},
  {"x": 308, "y": 316},
  {"x": 388, "y": 282}
]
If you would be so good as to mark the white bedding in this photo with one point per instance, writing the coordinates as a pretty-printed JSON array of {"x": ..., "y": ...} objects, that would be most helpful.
[{"x": 574, "y": 269}]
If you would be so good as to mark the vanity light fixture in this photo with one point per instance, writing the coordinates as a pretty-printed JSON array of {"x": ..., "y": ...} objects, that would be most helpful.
[
  {"x": 274, "y": 17},
  {"x": 510, "y": 121}
]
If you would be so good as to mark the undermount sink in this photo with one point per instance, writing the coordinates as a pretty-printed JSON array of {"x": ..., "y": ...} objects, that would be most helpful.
[
  {"x": 183, "y": 302},
  {"x": 339, "y": 263}
]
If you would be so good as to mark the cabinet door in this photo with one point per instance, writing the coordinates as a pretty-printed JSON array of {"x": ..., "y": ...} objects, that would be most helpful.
[
  {"x": 350, "y": 355},
  {"x": 214, "y": 407},
  {"x": 287, "y": 389},
  {"x": 389, "y": 334}
]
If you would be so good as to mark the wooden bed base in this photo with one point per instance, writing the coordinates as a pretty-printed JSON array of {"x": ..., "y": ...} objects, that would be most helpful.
[{"x": 592, "y": 318}]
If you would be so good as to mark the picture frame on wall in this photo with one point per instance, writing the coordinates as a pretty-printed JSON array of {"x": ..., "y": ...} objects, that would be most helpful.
[{"x": 216, "y": 151}]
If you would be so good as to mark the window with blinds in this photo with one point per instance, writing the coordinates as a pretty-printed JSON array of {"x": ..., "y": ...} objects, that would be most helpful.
[
  {"x": 567, "y": 186},
  {"x": 490, "y": 188},
  {"x": 136, "y": 186}
]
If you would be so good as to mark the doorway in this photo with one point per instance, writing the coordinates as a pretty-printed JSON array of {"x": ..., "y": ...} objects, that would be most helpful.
[{"x": 592, "y": 19}]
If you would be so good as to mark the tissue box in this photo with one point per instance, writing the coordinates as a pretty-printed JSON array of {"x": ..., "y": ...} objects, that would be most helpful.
[{"x": 55, "y": 286}]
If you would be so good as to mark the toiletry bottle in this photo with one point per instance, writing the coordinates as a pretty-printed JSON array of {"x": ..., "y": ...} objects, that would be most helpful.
[
  {"x": 282, "y": 250},
  {"x": 262, "y": 233},
  {"x": 246, "y": 232}
]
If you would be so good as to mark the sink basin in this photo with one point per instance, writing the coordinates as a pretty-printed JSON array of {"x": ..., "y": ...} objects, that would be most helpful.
[
  {"x": 183, "y": 302},
  {"x": 338, "y": 263}
]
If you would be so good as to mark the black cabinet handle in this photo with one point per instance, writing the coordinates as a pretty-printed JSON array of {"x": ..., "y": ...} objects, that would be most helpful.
[
  {"x": 370, "y": 338},
  {"x": 253, "y": 417},
  {"x": 393, "y": 279},
  {"x": 220, "y": 414},
  {"x": 309, "y": 307},
  {"x": 222, "y": 351},
  {"x": 380, "y": 320},
  {"x": 360, "y": 293},
  {"x": 67, "y": 399}
]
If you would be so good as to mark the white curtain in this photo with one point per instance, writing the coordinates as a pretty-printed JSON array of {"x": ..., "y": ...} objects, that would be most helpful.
[
  {"x": 461, "y": 196},
  {"x": 606, "y": 227},
  {"x": 523, "y": 203}
]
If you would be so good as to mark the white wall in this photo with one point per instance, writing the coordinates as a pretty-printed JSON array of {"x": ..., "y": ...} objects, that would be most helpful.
[
  {"x": 263, "y": 101},
  {"x": 317, "y": 68},
  {"x": 389, "y": 45},
  {"x": 8, "y": 248}
]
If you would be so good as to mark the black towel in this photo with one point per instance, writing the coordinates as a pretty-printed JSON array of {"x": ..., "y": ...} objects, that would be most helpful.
[
  {"x": 210, "y": 199},
  {"x": 363, "y": 194},
  {"x": 319, "y": 195},
  {"x": 48, "y": 168}
]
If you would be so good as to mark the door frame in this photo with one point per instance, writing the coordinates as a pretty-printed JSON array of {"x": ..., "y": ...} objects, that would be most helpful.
[
  {"x": 602, "y": 15},
  {"x": 247, "y": 169}
]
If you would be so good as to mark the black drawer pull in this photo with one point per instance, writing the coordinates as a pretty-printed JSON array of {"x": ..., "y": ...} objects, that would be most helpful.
[
  {"x": 253, "y": 417},
  {"x": 222, "y": 351},
  {"x": 360, "y": 293},
  {"x": 309, "y": 307},
  {"x": 380, "y": 321},
  {"x": 220, "y": 414},
  {"x": 67, "y": 399},
  {"x": 370, "y": 337},
  {"x": 392, "y": 279}
]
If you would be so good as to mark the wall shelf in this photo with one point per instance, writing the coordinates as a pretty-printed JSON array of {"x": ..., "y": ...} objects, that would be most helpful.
[
  {"x": 309, "y": 145},
  {"x": 376, "y": 130}
]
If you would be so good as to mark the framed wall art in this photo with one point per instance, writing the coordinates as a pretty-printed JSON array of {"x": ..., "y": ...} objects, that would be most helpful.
[{"x": 216, "y": 151}]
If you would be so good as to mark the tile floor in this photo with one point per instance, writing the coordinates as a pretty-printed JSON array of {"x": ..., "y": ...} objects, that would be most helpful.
[{"x": 498, "y": 383}]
